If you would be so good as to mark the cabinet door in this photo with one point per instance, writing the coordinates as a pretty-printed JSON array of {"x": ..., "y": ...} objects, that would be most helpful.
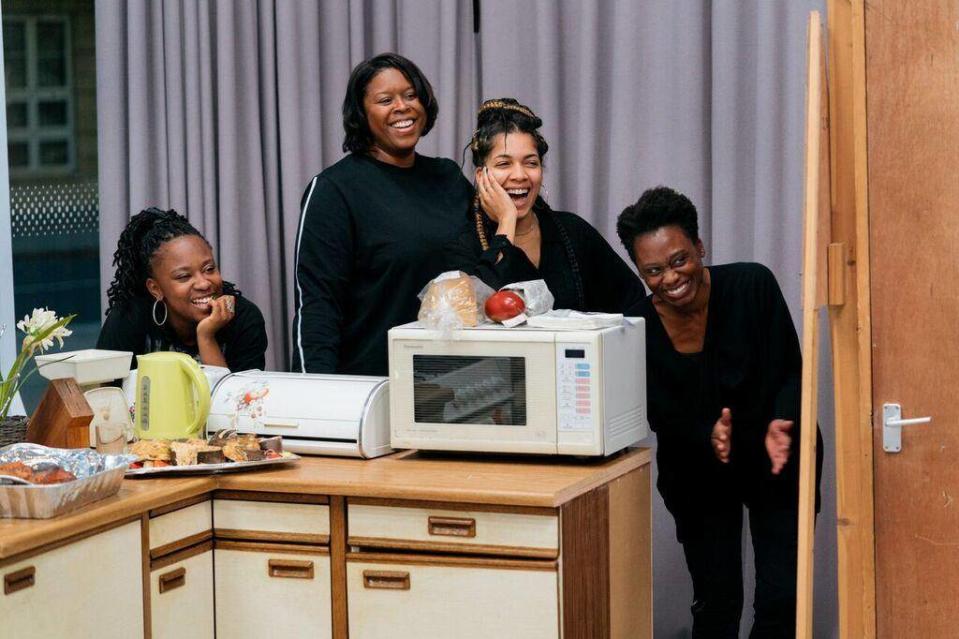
[
  {"x": 414, "y": 600},
  {"x": 90, "y": 588},
  {"x": 271, "y": 592},
  {"x": 181, "y": 598}
]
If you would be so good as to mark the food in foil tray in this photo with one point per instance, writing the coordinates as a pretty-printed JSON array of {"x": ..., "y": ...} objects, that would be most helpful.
[
  {"x": 221, "y": 447},
  {"x": 47, "y": 473}
]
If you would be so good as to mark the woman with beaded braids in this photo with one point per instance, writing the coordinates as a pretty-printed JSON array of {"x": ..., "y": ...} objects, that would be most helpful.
[
  {"x": 168, "y": 295},
  {"x": 513, "y": 235}
]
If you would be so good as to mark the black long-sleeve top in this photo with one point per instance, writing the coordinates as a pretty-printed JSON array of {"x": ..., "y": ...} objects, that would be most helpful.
[
  {"x": 605, "y": 283},
  {"x": 371, "y": 236},
  {"x": 751, "y": 363},
  {"x": 129, "y": 326}
]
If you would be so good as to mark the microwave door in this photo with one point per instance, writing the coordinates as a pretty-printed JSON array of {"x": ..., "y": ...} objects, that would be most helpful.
[{"x": 483, "y": 396}]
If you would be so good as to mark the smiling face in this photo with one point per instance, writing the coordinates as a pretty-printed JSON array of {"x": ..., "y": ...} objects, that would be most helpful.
[
  {"x": 185, "y": 277},
  {"x": 395, "y": 115},
  {"x": 671, "y": 265},
  {"x": 515, "y": 164}
]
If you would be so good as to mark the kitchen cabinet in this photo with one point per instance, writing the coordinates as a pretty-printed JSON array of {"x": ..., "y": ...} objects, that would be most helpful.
[
  {"x": 81, "y": 589},
  {"x": 272, "y": 590},
  {"x": 409, "y": 597},
  {"x": 181, "y": 595},
  {"x": 400, "y": 546}
]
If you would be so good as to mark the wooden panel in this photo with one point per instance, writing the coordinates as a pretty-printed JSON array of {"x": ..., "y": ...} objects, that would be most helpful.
[
  {"x": 813, "y": 249},
  {"x": 62, "y": 418},
  {"x": 338, "y": 525},
  {"x": 850, "y": 322},
  {"x": 183, "y": 607},
  {"x": 416, "y": 600},
  {"x": 188, "y": 523},
  {"x": 273, "y": 518},
  {"x": 913, "y": 98},
  {"x": 251, "y": 603},
  {"x": 463, "y": 530},
  {"x": 586, "y": 579},
  {"x": 631, "y": 556},
  {"x": 71, "y": 578}
]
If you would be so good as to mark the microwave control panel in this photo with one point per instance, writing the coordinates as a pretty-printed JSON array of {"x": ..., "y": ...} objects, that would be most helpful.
[{"x": 574, "y": 388}]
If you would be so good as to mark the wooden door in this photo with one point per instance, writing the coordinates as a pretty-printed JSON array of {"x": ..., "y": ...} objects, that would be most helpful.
[{"x": 912, "y": 104}]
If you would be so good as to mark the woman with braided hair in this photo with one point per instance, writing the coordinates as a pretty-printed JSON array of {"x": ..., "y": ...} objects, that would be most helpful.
[
  {"x": 168, "y": 295},
  {"x": 512, "y": 234}
]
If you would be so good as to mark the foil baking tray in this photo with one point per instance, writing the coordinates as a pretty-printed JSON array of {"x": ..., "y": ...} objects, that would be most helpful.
[{"x": 98, "y": 476}]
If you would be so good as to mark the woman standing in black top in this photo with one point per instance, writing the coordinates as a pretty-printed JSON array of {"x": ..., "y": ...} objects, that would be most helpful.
[
  {"x": 373, "y": 226},
  {"x": 168, "y": 295},
  {"x": 512, "y": 235},
  {"x": 723, "y": 388}
]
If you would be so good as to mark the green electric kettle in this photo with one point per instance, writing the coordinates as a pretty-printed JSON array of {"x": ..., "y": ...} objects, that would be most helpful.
[{"x": 172, "y": 398}]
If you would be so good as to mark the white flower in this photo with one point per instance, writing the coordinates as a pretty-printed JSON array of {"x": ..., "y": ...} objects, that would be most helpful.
[{"x": 39, "y": 329}]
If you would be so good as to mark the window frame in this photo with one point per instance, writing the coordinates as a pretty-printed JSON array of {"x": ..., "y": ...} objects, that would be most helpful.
[{"x": 33, "y": 134}]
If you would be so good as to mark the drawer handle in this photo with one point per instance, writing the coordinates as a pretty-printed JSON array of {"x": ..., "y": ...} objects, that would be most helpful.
[
  {"x": 19, "y": 580},
  {"x": 386, "y": 580},
  {"x": 274, "y": 422},
  {"x": 452, "y": 526},
  {"x": 173, "y": 579},
  {"x": 290, "y": 569}
]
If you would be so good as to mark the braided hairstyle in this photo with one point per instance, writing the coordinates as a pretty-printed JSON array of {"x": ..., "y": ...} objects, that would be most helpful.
[
  {"x": 143, "y": 236},
  {"x": 507, "y": 115}
]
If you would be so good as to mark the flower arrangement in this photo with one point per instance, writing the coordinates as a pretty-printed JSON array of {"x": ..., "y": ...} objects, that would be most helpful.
[{"x": 40, "y": 329}]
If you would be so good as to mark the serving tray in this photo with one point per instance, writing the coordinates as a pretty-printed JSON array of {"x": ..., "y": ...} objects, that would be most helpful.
[{"x": 212, "y": 469}]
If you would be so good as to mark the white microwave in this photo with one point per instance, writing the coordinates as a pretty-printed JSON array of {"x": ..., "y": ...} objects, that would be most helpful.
[{"x": 518, "y": 390}]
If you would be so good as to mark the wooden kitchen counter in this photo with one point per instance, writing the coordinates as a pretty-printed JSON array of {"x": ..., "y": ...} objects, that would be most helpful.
[{"x": 501, "y": 480}]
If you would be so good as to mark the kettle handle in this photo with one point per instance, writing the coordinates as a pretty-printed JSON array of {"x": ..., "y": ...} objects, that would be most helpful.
[{"x": 193, "y": 371}]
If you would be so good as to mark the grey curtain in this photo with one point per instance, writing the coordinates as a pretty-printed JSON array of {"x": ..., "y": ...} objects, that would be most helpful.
[
  {"x": 707, "y": 97},
  {"x": 225, "y": 109}
]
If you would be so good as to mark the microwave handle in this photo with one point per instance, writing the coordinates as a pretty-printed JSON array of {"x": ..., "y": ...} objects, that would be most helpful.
[{"x": 273, "y": 422}]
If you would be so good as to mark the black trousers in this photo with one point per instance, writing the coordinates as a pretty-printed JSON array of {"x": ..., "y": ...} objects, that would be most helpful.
[{"x": 712, "y": 546}]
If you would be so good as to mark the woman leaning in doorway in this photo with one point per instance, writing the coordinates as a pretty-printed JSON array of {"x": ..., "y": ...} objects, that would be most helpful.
[{"x": 723, "y": 386}]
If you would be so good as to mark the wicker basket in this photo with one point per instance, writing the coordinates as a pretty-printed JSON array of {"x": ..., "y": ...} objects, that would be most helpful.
[{"x": 13, "y": 430}]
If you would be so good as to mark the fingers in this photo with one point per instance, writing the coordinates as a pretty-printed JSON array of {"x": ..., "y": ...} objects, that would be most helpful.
[{"x": 721, "y": 436}]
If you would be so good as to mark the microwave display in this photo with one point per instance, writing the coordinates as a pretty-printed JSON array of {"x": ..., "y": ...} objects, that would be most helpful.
[{"x": 453, "y": 389}]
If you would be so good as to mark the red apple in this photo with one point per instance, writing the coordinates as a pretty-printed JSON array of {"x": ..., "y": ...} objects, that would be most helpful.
[{"x": 504, "y": 305}]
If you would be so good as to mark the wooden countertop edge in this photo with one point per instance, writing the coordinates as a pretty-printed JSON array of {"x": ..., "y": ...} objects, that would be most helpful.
[
  {"x": 122, "y": 506},
  {"x": 138, "y": 496}
]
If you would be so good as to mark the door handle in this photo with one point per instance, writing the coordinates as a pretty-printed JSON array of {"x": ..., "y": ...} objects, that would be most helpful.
[{"x": 892, "y": 423}]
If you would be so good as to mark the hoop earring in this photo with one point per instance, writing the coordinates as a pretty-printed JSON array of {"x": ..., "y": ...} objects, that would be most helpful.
[{"x": 165, "y": 312}]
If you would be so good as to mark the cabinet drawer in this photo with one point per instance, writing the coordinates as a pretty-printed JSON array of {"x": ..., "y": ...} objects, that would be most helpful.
[
  {"x": 520, "y": 532},
  {"x": 470, "y": 600},
  {"x": 180, "y": 528},
  {"x": 181, "y": 597},
  {"x": 89, "y": 588},
  {"x": 271, "y": 592},
  {"x": 271, "y": 520}
]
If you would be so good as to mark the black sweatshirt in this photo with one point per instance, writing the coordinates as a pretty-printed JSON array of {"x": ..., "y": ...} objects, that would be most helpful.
[
  {"x": 607, "y": 283},
  {"x": 751, "y": 363},
  {"x": 371, "y": 236},
  {"x": 129, "y": 326}
]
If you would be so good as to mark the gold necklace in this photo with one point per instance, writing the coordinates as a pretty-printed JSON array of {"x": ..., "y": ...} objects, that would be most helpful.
[{"x": 532, "y": 227}]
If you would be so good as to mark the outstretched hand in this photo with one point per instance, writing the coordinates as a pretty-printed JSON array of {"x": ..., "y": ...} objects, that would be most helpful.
[
  {"x": 722, "y": 436},
  {"x": 778, "y": 443}
]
